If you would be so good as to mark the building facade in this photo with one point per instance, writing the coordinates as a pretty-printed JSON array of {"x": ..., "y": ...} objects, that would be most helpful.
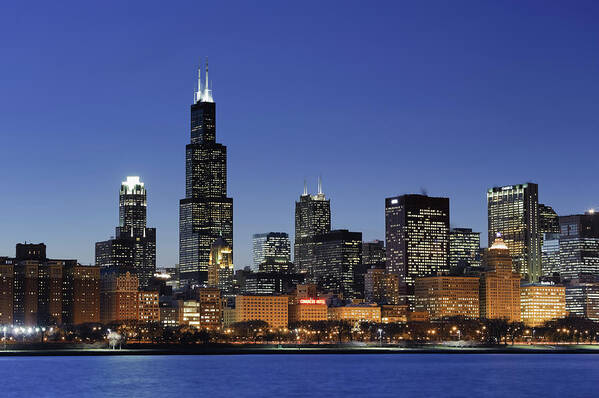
[
  {"x": 356, "y": 313},
  {"x": 273, "y": 310},
  {"x": 206, "y": 213},
  {"x": 271, "y": 247},
  {"x": 381, "y": 287},
  {"x": 579, "y": 245},
  {"x": 220, "y": 267},
  {"x": 513, "y": 211}
]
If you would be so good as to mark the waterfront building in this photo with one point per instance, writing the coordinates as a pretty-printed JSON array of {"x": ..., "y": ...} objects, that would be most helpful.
[
  {"x": 312, "y": 218},
  {"x": 464, "y": 248},
  {"x": 417, "y": 238},
  {"x": 211, "y": 307},
  {"x": 540, "y": 303},
  {"x": 499, "y": 295},
  {"x": 273, "y": 310},
  {"x": 38, "y": 291},
  {"x": 189, "y": 313},
  {"x": 169, "y": 313},
  {"x": 513, "y": 211},
  {"x": 308, "y": 309},
  {"x": 148, "y": 308},
  {"x": 118, "y": 296},
  {"x": 335, "y": 255},
  {"x": 448, "y": 296},
  {"x": 229, "y": 316},
  {"x": 133, "y": 249},
  {"x": 381, "y": 287},
  {"x": 356, "y": 313},
  {"x": 206, "y": 213},
  {"x": 393, "y": 313}
]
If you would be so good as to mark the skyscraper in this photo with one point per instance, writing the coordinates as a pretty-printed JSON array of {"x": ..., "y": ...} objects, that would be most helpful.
[
  {"x": 273, "y": 247},
  {"x": 134, "y": 247},
  {"x": 206, "y": 213},
  {"x": 513, "y": 211},
  {"x": 336, "y": 253},
  {"x": 220, "y": 267},
  {"x": 417, "y": 237},
  {"x": 312, "y": 217},
  {"x": 579, "y": 245},
  {"x": 464, "y": 247}
]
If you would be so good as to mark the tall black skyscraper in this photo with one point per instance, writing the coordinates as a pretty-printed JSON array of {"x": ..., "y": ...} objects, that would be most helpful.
[
  {"x": 312, "y": 217},
  {"x": 206, "y": 213},
  {"x": 417, "y": 237},
  {"x": 134, "y": 246}
]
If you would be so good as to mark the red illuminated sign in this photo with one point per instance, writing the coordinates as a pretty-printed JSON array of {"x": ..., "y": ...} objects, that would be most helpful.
[{"x": 312, "y": 301}]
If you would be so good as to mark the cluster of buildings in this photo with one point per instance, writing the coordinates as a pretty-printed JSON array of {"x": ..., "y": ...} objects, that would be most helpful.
[{"x": 538, "y": 266}]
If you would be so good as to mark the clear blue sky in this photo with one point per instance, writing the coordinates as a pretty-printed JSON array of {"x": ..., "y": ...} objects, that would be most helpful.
[{"x": 380, "y": 98}]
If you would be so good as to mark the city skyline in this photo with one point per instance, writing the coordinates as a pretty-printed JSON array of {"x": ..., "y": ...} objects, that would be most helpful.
[{"x": 78, "y": 184}]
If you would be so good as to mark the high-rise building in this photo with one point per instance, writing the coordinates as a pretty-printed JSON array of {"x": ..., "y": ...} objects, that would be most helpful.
[
  {"x": 499, "y": 296},
  {"x": 206, "y": 213},
  {"x": 582, "y": 297},
  {"x": 312, "y": 217},
  {"x": 220, "y": 266},
  {"x": 417, "y": 238},
  {"x": 464, "y": 248},
  {"x": 118, "y": 296},
  {"x": 550, "y": 260},
  {"x": 134, "y": 247},
  {"x": 513, "y": 211},
  {"x": 373, "y": 253},
  {"x": 579, "y": 245},
  {"x": 271, "y": 247},
  {"x": 540, "y": 303},
  {"x": 447, "y": 296},
  {"x": 548, "y": 220},
  {"x": 335, "y": 255}
]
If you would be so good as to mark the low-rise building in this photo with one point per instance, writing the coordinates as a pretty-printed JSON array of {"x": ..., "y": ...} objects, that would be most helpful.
[
  {"x": 308, "y": 309},
  {"x": 540, "y": 303},
  {"x": 273, "y": 310},
  {"x": 447, "y": 296},
  {"x": 392, "y": 313},
  {"x": 148, "y": 307},
  {"x": 356, "y": 313}
]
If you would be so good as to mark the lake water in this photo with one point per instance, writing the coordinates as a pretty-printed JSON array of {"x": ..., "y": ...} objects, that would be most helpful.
[{"x": 404, "y": 375}]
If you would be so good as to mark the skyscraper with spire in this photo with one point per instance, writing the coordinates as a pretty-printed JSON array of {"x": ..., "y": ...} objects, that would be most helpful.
[
  {"x": 206, "y": 213},
  {"x": 312, "y": 218}
]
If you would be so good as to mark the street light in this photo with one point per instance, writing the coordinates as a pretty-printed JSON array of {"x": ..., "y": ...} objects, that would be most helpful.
[{"x": 381, "y": 337}]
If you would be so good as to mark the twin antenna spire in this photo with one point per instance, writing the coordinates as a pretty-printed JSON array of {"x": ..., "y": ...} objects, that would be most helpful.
[
  {"x": 319, "y": 187},
  {"x": 204, "y": 92}
]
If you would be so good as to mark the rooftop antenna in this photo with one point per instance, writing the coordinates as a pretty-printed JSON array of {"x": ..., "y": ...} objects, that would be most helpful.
[
  {"x": 305, "y": 188},
  {"x": 319, "y": 185}
]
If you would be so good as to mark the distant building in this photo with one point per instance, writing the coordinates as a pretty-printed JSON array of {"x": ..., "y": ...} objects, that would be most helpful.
[
  {"x": 540, "y": 303},
  {"x": 393, "y": 313},
  {"x": 550, "y": 254},
  {"x": 148, "y": 308},
  {"x": 134, "y": 247},
  {"x": 548, "y": 221},
  {"x": 211, "y": 307},
  {"x": 417, "y": 238},
  {"x": 272, "y": 247},
  {"x": 448, "y": 296},
  {"x": 381, "y": 287},
  {"x": 499, "y": 285},
  {"x": 220, "y": 267},
  {"x": 579, "y": 245},
  {"x": 513, "y": 211},
  {"x": 374, "y": 253},
  {"x": 312, "y": 217},
  {"x": 464, "y": 248},
  {"x": 582, "y": 297},
  {"x": 335, "y": 255},
  {"x": 273, "y": 310}
]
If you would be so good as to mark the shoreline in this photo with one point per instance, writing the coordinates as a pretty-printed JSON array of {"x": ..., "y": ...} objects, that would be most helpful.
[{"x": 200, "y": 349}]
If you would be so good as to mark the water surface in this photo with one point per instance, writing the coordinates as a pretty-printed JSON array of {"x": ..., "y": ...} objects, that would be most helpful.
[{"x": 404, "y": 375}]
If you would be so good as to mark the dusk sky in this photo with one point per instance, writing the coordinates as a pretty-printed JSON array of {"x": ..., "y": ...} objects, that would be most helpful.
[{"x": 447, "y": 97}]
